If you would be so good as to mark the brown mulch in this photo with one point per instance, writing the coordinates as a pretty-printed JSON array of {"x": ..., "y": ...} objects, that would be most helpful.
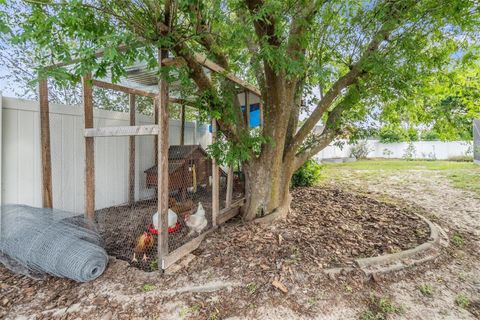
[
  {"x": 327, "y": 228},
  {"x": 280, "y": 264}
]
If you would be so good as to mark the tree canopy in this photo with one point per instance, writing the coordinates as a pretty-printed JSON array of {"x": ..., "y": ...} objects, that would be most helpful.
[{"x": 350, "y": 63}]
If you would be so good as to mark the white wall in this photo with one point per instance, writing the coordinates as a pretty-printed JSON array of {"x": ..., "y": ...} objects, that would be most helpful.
[
  {"x": 21, "y": 157},
  {"x": 423, "y": 150}
]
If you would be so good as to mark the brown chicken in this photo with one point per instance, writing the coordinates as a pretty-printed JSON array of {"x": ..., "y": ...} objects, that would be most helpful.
[
  {"x": 144, "y": 243},
  {"x": 180, "y": 207}
]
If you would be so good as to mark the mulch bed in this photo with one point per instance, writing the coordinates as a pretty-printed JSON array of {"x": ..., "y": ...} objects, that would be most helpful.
[{"x": 327, "y": 228}]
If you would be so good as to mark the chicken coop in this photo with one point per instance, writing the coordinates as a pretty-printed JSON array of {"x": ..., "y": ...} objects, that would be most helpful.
[{"x": 152, "y": 198}]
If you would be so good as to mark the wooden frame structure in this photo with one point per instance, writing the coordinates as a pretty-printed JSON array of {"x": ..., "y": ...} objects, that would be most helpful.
[{"x": 160, "y": 131}]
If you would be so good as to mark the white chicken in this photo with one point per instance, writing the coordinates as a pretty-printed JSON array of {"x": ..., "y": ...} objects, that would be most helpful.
[
  {"x": 172, "y": 219},
  {"x": 196, "y": 222}
]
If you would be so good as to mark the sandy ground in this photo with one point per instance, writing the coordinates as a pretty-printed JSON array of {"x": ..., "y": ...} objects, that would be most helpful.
[
  {"x": 127, "y": 293},
  {"x": 457, "y": 211}
]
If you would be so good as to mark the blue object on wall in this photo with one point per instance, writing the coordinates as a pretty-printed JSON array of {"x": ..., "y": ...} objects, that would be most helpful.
[{"x": 254, "y": 116}]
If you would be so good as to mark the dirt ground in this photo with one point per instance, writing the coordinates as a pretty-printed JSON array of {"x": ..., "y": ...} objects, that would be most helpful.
[{"x": 222, "y": 282}]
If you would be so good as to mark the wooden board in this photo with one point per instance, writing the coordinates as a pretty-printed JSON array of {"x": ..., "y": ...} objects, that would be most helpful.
[
  {"x": 117, "y": 87},
  {"x": 162, "y": 155},
  {"x": 216, "y": 68},
  {"x": 228, "y": 199},
  {"x": 131, "y": 153},
  {"x": 179, "y": 253},
  {"x": 146, "y": 130},
  {"x": 89, "y": 149},
  {"x": 182, "y": 125},
  {"x": 47, "y": 197},
  {"x": 215, "y": 180},
  {"x": 247, "y": 109}
]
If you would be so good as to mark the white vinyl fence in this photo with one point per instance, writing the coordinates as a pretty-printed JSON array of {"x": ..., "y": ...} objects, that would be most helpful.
[
  {"x": 437, "y": 150},
  {"x": 21, "y": 180}
]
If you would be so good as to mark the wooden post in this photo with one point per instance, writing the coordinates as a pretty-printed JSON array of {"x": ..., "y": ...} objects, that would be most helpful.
[
  {"x": 261, "y": 112},
  {"x": 247, "y": 109},
  {"x": 215, "y": 180},
  {"x": 162, "y": 183},
  {"x": 155, "y": 114},
  {"x": 89, "y": 149},
  {"x": 228, "y": 200},
  {"x": 47, "y": 198},
  {"x": 182, "y": 126},
  {"x": 131, "y": 172}
]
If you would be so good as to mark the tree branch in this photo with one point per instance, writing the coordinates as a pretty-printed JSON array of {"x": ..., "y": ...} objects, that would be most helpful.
[
  {"x": 332, "y": 128},
  {"x": 264, "y": 27}
]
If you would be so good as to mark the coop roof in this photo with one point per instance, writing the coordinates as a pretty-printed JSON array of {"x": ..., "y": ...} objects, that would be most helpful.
[
  {"x": 172, "y": 167},
  {"x": 178, "y": 152},
  {"x": 142, "y": 80},
  {"x": 177, "y": 156}
]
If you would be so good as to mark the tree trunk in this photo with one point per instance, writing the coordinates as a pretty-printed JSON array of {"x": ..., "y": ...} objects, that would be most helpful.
[{"x": 267, "y": 190}]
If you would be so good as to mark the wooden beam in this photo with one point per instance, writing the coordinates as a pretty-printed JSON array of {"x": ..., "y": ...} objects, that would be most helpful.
[
  {"x": 156, "y": 105},
  {"x": 118, "y": 87},
  {"x": 131, "y": 151},
  {"x": 217, "y": 68},
  {"x": 179, "y": 253},
  {"x": 146, "y": 130},
  {"x": 47, "y": 197},
  {"x": 261, "y": 113},
  {"x": 201, "y": 59},
  {"x": 182, "y": 125},
  {"x": 228, "y": 199},
  {"x": 228, "y": 213},
  {"x": 137, "y": 92},
  {"x": 247, "y": 109},
  {"x": 176, "y": 61},
  {"x": 162, "y": 151},
  {"x": 215, "y": 180},
  {"x": 89, "y": 149}
]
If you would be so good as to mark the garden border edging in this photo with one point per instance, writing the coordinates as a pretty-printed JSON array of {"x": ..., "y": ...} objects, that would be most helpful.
[{"x": 397, "y": 261}]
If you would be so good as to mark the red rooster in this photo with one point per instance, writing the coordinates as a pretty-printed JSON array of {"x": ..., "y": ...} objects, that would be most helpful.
[{"x": 145, "y": 242}]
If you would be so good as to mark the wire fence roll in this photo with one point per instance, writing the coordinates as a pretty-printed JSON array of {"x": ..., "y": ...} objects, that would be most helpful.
[{"x": 41, "y": 241}]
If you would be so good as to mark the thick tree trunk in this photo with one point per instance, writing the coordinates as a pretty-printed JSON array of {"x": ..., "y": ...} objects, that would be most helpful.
[{"x": 267, "y": 190}]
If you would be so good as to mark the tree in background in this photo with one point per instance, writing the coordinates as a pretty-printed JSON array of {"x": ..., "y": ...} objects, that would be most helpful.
[
  {"x": 361, "y": 54},
  {"x": 442, "y": 107}
]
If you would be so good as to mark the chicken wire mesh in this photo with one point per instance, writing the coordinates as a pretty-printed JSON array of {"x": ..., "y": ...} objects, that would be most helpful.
[
  {"x": 40, "y": 241},
  {"x": 126, "y": 196}
]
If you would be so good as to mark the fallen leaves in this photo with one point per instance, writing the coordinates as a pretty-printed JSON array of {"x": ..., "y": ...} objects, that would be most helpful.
[{"x": 280, "y": 286}]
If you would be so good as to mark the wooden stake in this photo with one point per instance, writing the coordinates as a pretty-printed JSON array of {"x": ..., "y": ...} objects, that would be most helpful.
[
  {"x": 47, "y": 198},
  {"x": 182, "y": 126},
  {"x": 155, "y": 114},
  {"x": 89, "y": 149},
  {"x": 215, "y": 180},
  {"x": 162, "y": 183},
  {"x": 247, "y": 109},
  {"x": 131, "y": 173},
  {"x": 261, "y": 113},
  {"x": 228, "y": 200}
]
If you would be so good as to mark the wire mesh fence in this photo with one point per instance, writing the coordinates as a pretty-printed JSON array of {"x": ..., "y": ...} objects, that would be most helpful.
[
  {"x": 126, "y": 196},
  {"x": 125, "y": 203}
]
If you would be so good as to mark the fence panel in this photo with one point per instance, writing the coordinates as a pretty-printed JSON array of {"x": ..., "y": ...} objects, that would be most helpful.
[{"x": 21, "y": 157}]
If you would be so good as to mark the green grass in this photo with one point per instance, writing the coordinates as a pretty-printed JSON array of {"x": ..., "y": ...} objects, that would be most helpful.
[
  {"x": 404, "y": 165},
  {"x": 462, "y": 300},
  {"x": 462, "y": 175},
  {"x": 466, "y": 181}
]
